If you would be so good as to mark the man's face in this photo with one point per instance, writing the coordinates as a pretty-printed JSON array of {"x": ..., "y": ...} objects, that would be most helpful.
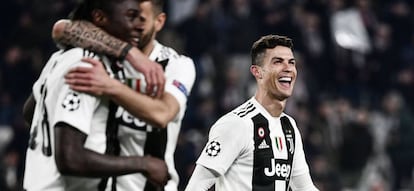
[
  {"x": 278, "y": 72},
  {"x": 148, "y": 24},
  {"x": 124, "y": 21}
]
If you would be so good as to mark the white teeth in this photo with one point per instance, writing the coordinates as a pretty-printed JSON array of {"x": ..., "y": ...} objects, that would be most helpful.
[
  {"x": 285, "y": 79},
  {"x": 135, "y": 39}
]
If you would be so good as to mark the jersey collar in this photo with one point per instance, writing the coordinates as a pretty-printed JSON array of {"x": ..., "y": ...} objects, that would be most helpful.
[
  {"x": 154, "y": 53},
  {"x": 263, "y": 110}
]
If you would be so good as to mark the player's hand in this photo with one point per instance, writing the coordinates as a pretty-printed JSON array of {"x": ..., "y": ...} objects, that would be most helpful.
[
  {"x": 153, "y": 72},
  {"x": 92, "y": 80},
  {"x": 156, "y": 171}
]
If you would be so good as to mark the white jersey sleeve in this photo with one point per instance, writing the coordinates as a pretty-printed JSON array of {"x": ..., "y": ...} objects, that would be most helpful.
[
  {"x": 202, "y": 179},
  {"x": 228, "y": 139},
  {"x": 75, "y": 109},
  {"x": 300, "y": 171},
  {"x": 55, "y": 103},
  {"x": 180, "y": 75},
  {"x": 71, "y": 107},
  {"x": 303, "y": 183}
]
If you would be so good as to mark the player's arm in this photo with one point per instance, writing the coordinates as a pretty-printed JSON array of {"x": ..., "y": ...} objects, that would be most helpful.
[
  {"x": 303, "y": 183},
  {"x": 158, "y": 112},
  {"x": 28, "y": 109},
  {"x": 96, "y": 81},
  {"x": 86, "y": 35},
  {"x": 202, "y": 179},
  {"x": 73, "y": 159},
  {"x": 301, "y": 178}
]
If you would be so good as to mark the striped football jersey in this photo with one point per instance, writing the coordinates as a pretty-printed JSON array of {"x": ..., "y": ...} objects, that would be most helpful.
[
  {"x": 139, "y": 138},
  {"x": 253, "y": 151}
]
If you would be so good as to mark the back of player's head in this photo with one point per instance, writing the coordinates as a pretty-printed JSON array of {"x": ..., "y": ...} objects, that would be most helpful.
[
  {"x": 85, "y": 8},
  {"x": 267, "y": 42}
]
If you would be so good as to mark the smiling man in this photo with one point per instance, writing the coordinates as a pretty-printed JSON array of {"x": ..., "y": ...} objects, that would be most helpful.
[{"x": 257, "y": 146}]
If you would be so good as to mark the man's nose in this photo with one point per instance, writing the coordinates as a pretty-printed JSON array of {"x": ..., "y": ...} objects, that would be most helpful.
[{"x": 288, "y": 67}]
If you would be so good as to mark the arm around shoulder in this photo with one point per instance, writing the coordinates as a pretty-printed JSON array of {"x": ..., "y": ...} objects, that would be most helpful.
[
  {"x": 77, "y": 33},
  {"x": 158, "y": 112}
]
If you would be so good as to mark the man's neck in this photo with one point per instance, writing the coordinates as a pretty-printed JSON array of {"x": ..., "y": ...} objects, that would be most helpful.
[
  {"x": 149, "y": 48},
  {"x": 272, "y": 105}
]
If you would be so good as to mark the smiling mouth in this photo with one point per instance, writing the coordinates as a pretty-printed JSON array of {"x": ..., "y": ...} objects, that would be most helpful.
[
  {"x": 135, "y": 41},
  {"x": 285, "y": 81}
]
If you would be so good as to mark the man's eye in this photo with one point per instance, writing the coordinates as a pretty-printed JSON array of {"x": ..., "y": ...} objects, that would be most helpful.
[{"x": 133, "y": 15}]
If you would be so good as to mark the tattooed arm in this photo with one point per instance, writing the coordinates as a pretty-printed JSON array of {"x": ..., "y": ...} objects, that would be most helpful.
[{"x": 86, "y": 35}]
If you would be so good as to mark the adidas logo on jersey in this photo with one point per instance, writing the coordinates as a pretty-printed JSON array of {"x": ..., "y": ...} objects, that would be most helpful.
[{"x": 263, "y": 145}]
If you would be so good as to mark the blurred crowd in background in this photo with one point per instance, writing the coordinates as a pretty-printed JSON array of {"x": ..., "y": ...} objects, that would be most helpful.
[{"x": 353, "y": 100}]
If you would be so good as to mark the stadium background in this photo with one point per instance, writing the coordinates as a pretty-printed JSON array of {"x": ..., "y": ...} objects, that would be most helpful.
[{"x": 353, "y": 100}]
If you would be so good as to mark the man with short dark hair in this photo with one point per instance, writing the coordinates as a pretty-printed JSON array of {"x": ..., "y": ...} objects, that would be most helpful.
[{"x": 257, "y": 146}]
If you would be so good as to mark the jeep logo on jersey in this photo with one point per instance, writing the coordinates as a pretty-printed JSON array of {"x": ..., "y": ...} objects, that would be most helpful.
[
  {"x": 125, "y": 118},
  {"x": 279, "y": 169},
  {"x": 71, "y": 101}
]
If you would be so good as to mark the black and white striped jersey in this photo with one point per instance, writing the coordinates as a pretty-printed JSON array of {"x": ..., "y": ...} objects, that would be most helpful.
[
  {"x": 56, "y": 102},
  {"x": 251, "y": 150},
  {"x": 136, "y": 137}
]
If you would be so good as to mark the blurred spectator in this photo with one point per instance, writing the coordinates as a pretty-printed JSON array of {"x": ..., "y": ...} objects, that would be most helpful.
[
  {"x": 181, "y": 10},
  {"x": 356, "y": 148},
  {"x": 401, "y": 146},
  {"x": 243, "y": 29},
  {"x": 16, "y": 73}
]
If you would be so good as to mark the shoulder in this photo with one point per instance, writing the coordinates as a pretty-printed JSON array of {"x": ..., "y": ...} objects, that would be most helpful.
[
  {"x": 169, "y": 53},
  {"x": 227, "y": 123},
  {"x": 245, "y": 110},
  {"x": 76, "y": 52},
  {"x": 176, "y": 64},
  {"x": 239, "y": 117},
  {"x": 73, "y": 55}
]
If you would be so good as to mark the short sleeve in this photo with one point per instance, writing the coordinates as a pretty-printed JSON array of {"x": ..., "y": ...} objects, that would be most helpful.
[
  {"x": 180, "y": 75},
  {"x": 227, "y": 140},
  {"x": 300, "y": 166},
  {"x": 75, "y": 109},
  {"x": 71, "y": 107}
]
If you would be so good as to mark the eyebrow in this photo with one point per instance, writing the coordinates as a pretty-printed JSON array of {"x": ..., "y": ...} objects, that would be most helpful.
[{"x": 280, "y": 58}]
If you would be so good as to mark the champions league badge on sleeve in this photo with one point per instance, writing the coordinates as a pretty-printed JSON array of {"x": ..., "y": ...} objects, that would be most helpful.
[
  {"x": 213, "y": 148},
  {"x": 71, "y": 101}
]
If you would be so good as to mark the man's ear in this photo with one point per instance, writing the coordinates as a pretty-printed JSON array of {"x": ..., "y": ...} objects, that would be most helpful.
[
  {"x": 99, "y": 18},
  {"x": 159, "y": 21},
  {"x": 256, "y": 71}
]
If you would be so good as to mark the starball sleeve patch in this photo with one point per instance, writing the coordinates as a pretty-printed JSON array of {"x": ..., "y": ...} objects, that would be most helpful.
[
  {"x": 71, "y": 101},
  {"x": 213, "y": 148}
]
